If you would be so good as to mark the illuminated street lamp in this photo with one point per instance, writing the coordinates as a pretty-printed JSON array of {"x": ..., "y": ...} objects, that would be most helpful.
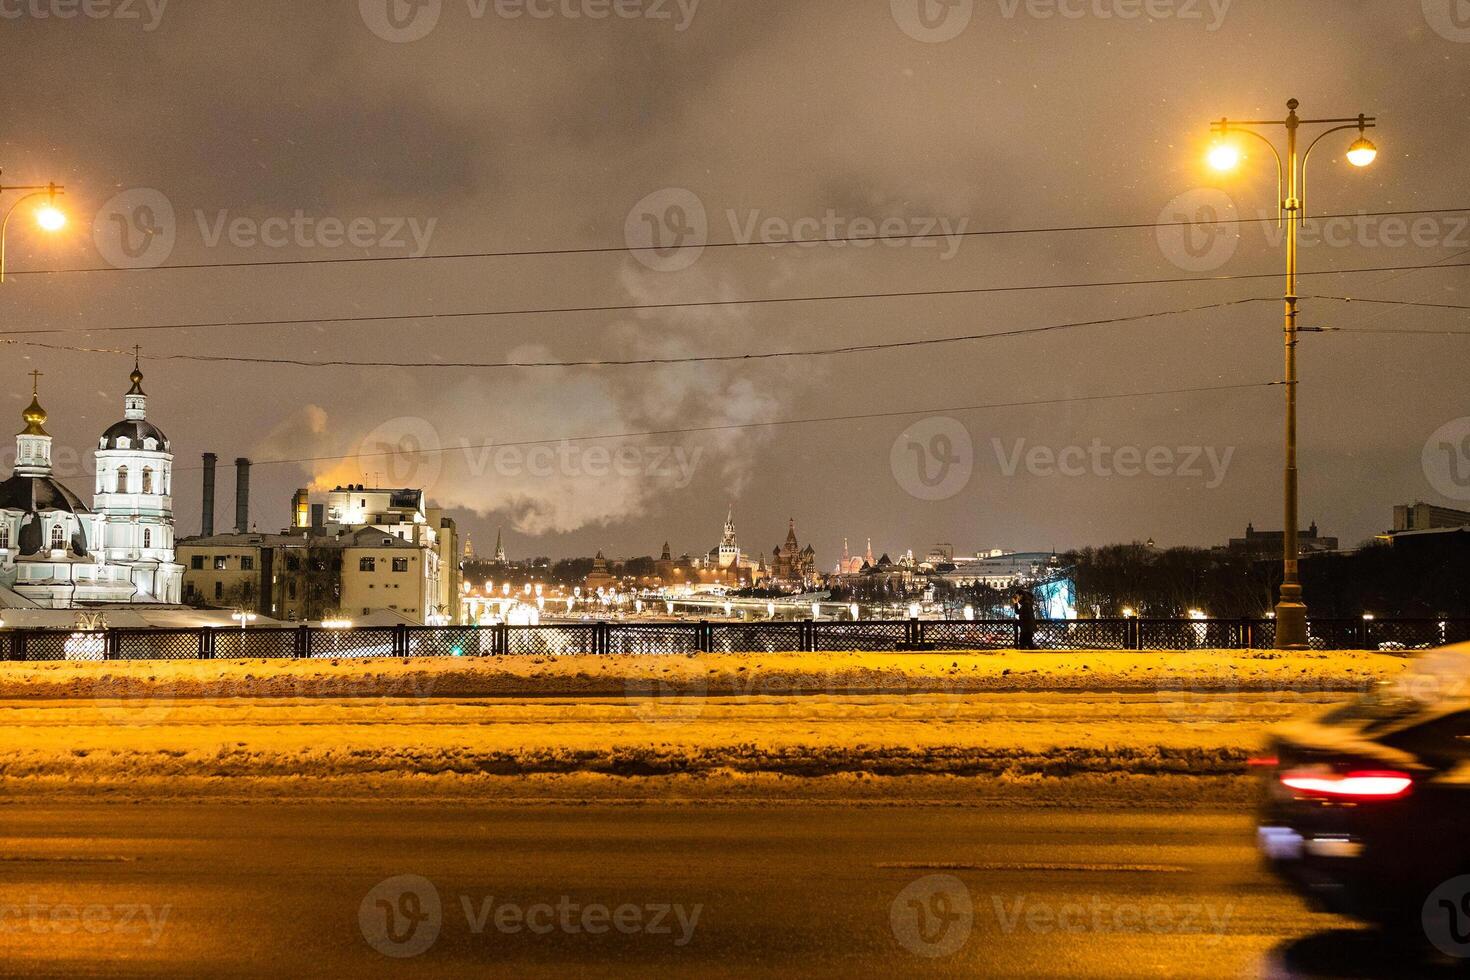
[
  {"x": 1291, "y": 183},
  {"x": 49, "y": 217}
]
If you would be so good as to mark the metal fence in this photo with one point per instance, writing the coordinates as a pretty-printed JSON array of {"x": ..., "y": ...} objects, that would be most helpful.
[{"x": 568, "y": 639}]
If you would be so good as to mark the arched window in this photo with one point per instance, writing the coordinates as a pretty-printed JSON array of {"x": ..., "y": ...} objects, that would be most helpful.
[
  {"x": 122, "y": 479},
  {"x": 4, "y": 536},
  {"x": 147, "y": 533},
  {"x": 147, "y": 479},
  {"x": 58, "y": 538}
]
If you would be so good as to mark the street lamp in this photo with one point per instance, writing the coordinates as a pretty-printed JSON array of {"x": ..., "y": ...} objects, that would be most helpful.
[
  {"x": 49, "y": 217},
  {"x": 1291, "y": 184}
]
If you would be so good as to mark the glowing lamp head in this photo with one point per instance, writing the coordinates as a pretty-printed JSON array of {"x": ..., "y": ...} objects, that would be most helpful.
[
  {"x": 1362, "y": 152},
  {"x": 1224, "y": 157},
  {"x": 50, "y": 218}
]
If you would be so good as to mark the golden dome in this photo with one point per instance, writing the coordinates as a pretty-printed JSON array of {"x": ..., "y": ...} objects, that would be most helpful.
[
  {"x": 35, "y": 419},
  {"x": 137, "y": 379}
]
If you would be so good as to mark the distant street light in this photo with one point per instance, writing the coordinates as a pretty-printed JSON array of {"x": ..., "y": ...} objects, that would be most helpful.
[
  {"x": 49, "y": 217},
  {"x": 1291, "y": 184}
]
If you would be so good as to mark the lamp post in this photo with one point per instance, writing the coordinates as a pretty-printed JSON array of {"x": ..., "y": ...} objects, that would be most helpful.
[
  {"x": 1291, "y": 183},
  {"x": 49, "y": 216}
]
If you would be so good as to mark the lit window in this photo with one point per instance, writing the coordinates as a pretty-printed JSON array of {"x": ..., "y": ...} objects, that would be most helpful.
[
  {"x": 221, "y": 562},
  {"x": 400, "y": 564},
  {"x": 367, "y": 565}
]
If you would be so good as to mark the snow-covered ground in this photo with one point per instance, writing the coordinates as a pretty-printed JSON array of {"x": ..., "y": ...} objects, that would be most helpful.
[{"x": 1034, "y": 727}]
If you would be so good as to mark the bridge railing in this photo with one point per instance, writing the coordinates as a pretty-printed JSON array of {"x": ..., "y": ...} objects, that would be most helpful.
[{"x": 654, "y": 638}]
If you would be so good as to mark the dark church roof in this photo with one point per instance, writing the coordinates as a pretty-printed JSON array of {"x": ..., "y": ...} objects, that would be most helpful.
[
  {"x": 39, "y": 494},
  {"x": 135, "y": 431}
]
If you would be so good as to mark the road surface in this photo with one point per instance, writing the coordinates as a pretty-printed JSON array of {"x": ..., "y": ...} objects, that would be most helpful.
[{"x": 192, "y": 889}]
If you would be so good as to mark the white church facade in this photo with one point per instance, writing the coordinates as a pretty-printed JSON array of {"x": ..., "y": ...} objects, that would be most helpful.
[{"x": 57, "y": 552}]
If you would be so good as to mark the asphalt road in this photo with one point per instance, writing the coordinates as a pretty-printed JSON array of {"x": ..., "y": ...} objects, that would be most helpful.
[{"x": 194, "y": 889}]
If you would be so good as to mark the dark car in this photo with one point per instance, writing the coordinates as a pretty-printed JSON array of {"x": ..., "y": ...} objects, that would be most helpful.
[{"x": 1367, "y": 807}]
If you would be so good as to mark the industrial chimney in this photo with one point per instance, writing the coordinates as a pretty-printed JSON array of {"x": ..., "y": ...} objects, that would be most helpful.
[
  {"x": 206, "y": 527},
  {"x": 242, "y": 496}
]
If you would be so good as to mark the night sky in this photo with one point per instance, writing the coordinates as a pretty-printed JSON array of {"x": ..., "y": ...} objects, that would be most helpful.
[{"x": 494, "y": 133}]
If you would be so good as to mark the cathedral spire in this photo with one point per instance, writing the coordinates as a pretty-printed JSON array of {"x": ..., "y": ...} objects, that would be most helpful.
[
  {"x": 135, "y": 402},
  {"x": 33, "y": 443}
]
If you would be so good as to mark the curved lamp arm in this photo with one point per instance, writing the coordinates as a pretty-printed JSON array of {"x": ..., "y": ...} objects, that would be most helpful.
[
  {"x": 1224, "y": 127},
  {"x": 1306, "y": 157},
  {"x": 5, "y": 225}
]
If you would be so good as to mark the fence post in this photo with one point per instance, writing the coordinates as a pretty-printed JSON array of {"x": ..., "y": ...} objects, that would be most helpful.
[
  {"x": 111, "y": 645},
  {"x": 501, "y": 643},
  {"x": 303, "y": 643},
  {"x": 807, "y": 635},
  {"x": 703, "y": 639},
  {"x": 400, "y": 641},
  {"x": 602, "y": 639},
  {"x": 204, "y": 652}
]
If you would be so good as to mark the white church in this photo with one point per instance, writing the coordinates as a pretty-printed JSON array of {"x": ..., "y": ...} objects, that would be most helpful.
[{"x": 56, "y": 552}]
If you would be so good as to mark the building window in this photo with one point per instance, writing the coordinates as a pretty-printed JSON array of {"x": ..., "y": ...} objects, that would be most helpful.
[
  {"x": 197, "y": 563},
  {"x": 219, "y": 590},
  {"x": 367, "y": 565},
  {"x": 293, "y": 564},
  {"x": 221, "y": 563},
  {"x": 291, "y": 590},
  {"x": 122, "y": 479},
  {"x": 147, "y": 479},
  {"x": 247, "y": 563},
  {"x": 147, "y": 531},
  {"x": 400, "y": 564},
  {"x": 4, "y": 536},
  {"x": 58, "y": 538}
]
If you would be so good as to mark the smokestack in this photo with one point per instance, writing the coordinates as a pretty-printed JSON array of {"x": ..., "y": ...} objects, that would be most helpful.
[
  {"x": 242, "y": 496},
  {"x": 206, "y": 527}
]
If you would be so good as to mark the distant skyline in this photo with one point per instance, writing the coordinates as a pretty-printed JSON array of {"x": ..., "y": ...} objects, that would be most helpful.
[{"x": 560, "y": 133}]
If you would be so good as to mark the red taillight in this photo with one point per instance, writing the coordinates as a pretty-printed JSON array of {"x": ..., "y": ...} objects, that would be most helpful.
[{"x": 1386, "y": 785}]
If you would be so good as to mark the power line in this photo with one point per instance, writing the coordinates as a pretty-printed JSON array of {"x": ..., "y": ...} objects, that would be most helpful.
[
  {"x": 609, "y": 249},
  {"x": 691, "y": 359},
  {"x": 1395, "y": 302},
  {"x": 705, "y": 304},
  {"x": 868, "y": 416}
]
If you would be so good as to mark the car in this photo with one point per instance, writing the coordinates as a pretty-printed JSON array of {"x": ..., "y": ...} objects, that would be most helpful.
[{"x": 1366, "y": 807}]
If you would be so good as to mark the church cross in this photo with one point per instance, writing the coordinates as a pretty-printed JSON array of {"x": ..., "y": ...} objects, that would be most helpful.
[
  {"x": 137, "y": 354},
  {"x": 36, "y": 377}
]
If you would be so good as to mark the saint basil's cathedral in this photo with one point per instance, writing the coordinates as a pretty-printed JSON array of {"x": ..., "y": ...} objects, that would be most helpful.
[{"x": 58, "y": 553}]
